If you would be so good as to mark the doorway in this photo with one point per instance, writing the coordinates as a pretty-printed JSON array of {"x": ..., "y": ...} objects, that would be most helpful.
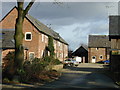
[{"x": 93, "y": 59}]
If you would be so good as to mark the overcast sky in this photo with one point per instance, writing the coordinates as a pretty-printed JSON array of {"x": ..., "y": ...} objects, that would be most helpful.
[{"x": 74, "y": 21}]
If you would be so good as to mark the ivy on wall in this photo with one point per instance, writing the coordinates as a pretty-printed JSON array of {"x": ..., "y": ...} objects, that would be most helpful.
[{"x": 51, "y": 46}]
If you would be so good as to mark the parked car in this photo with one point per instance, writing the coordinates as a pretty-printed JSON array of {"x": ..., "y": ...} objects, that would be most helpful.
[
  {"x": 106, "y": 61},
  {"x": 75, "y": 63},
  {"x": 70, "y": 62},
  {"x": 103, "y": 62}
]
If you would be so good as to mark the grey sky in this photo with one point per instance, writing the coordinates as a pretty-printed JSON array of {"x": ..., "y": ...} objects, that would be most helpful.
[{"x": 74, "y": 21}]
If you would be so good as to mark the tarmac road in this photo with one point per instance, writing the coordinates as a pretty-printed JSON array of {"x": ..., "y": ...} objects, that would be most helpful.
[{"x": 84, "y": 76}]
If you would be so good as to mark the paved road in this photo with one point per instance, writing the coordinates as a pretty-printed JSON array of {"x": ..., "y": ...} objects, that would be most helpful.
[{"x": 83, "y": 76}]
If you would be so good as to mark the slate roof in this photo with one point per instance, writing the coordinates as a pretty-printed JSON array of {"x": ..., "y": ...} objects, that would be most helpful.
[
  {"x": 99, "y": 41},
  {"x": 44, "y": 29},
  {"x": 114, "y": 25},
  {"x": 8, "y": 39},
  {"x": 81, "y": 51}
]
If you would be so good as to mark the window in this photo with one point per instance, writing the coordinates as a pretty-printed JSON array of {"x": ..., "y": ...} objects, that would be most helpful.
[
  {"x": 61, "y": 55},
  {"x": 48, "y": 53},
  {"x": 58, "y": 43},
  {"x": 97, "y": 48},
  {"x": 31, "y": 56},
  {"x": 65, "y": 47},
  {"x": 28, "y": 36},
  {"x": 42, "y": 37},
  {"x": 61, "y": 46},
  {"x": 101, "y": 57},
  {"x": 66, "y": 55},
  {"x": 93, "y": 57},
  {"x": 57, "y": 55},
  {"x": 41, "y": 53},
  {"x": 46, "y": 39}
]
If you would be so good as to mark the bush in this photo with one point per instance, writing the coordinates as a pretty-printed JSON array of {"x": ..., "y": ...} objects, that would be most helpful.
[
  {"x": 8, "y": 59},
  {"x": 53, "y": 61},
  {"x": 32, "y": 71},
  {"x": 48, "y": 59},
  {"x": 9, "y": 56},
  {"x": 56, "y": 61},
  {"x": 8, "y": 66}
]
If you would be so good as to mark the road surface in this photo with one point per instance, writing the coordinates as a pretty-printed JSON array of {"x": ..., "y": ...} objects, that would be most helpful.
[{"x": 84, "y": 76}]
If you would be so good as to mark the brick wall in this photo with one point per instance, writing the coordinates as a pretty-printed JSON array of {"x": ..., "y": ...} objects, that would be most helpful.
[
  {"x": 97, "y": 52},
  {"x": 39, "y": 40},
  {"x": 5, "y": 52},
  {"x": 61, "y": 50},
  {"x": 32, "y": 45},
  {"x": 9, "y": 21}
]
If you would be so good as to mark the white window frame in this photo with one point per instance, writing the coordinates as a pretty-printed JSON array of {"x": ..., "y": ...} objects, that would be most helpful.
[
  {"x": 66, "y": 55},
  {"x": 26, "y": 34},
  {"x": 94, "y": 56},
  {"x": 61, "y": 55},
  {"x": 32, "y": 53},
  {"x": 97, "y": 49},
  {"x": 46, "y": 38},
  {"x": 100, "y": 56},
  {"x": 42, "y": 37},
  {"x": 65, "y": 47},
  {"x": 58, "y": 43}
]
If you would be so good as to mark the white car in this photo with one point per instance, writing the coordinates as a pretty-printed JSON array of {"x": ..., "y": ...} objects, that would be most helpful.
[
  {"x": 70, "y": 62},
  {"x": 76, "y": 63}
]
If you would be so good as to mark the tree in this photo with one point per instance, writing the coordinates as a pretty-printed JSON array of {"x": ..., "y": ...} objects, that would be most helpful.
[{"x": 19, "y": 49}]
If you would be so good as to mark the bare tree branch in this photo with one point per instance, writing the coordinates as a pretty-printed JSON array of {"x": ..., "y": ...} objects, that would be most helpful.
[{"x": 28, "y": 7}]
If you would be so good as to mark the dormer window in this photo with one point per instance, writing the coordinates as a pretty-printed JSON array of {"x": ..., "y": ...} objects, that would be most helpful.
[{"x": 28, "y": 36}]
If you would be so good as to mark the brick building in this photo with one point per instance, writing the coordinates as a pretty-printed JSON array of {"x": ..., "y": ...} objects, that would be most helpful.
[
  {"x": 36, "y": 37},
  {"x": 114, "y": 37},
  {"x": 98, "y": 48}
]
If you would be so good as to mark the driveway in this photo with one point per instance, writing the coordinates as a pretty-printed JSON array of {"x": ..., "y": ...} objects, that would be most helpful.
[{"x": 84, "y": 76}]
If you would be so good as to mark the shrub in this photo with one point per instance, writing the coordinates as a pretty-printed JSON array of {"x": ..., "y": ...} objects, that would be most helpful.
[
  {"x": 8, "y": 66},
  {"x": 56, "y": 61},
  {"x": 51, "y": 60},
  {"x": 8, "y": 59},
  {"x": 48, "y": 59},
  {"x": 9, "y": 56},
  {"x": 32, "y": 70},
  {"x": 51, "y": 46}
]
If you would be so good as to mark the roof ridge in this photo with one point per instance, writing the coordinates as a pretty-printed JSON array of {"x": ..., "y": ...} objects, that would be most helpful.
[{"x": 8, "y": 13}]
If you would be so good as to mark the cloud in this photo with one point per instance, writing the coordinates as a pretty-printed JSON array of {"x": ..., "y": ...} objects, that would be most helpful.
[{"x": 73, "y": 21}]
